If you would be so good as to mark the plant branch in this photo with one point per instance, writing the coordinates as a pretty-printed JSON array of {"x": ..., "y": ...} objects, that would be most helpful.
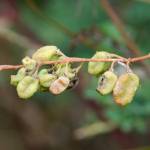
[
  {"x": 121, "y": 28},
  {"x": 64, "y": 29},
  {"x": 49, "y": 20},
  {"x": 10, "y": 67},
  {"x": 76, "y": 59}
]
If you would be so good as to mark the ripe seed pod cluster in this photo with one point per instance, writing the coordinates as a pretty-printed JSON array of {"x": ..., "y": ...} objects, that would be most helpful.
[
  {"x": 57, "y": 78},
  {"x": 123, "y": 87},
  {"x": 53, "y": 78}
]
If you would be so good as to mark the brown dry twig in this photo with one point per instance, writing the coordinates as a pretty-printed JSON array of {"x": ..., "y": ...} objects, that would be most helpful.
[
  {"x": 76, "y": 59},
  {"x": 134, "y": 49},
  {"x": 121, "y": 27},
  {"x": 10, "y": 67}
]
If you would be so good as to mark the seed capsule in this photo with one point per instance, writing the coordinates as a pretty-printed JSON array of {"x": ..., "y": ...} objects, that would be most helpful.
[
  {"x": 96, "y": 68},
  {"x": 46, "y": 53},
  {"x": 107, "y": 82},
  {"x": 15, "y": 79},
  {"x": 125, "y": 88},
  {"x": 27, "y": 87},
  {"x": 29, "y": 63},
  {"x": 59, "y": 85},
  {"x": 45, "y": 78}
]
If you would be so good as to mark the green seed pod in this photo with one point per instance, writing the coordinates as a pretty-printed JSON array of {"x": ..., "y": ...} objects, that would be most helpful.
[
  {"x": 107, "y": 82},
  {"x": 27, "y": 87},
  {"x": 96, "y": 68},
  {"x": 59, "y": 85},
  {"x": 29, "y": 63},
  {"x": 45, "y": 78},
  {"x": 47, "y": 53},
  {"x": 125, "y": 88},
  {"x": 15, "y": 79}
]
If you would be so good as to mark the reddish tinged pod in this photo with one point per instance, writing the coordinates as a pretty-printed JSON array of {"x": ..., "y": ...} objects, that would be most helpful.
[{"x": 59, "y": 85}]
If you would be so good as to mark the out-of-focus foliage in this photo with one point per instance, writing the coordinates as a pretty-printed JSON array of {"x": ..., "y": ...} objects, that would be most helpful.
[{"x": 51, "y": 120}]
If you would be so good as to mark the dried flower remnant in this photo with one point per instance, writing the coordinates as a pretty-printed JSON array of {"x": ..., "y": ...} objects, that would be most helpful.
[{"x": 59, "y": 85}]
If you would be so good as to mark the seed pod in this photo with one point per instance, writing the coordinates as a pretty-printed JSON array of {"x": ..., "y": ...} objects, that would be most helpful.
[
  {"x": 96, "y": 68},
  {"x": 59, "y": 85},
  {"x": 45, "y": 78},
  {"x": 125, "y": 88},
  {"x": 27, "y": 87},
  {"x": 15, "y": 79},
  {"x": 47, "y": 53},
  {"x": 107, "y": 82},
  {"x": 29, "y": 63}
]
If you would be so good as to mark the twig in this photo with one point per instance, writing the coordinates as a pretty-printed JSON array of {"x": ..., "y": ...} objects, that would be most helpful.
[
  {"x": 49, "y": 20},
  {"x": 10, "y": 67},
  {"x": 120, "y": 26},
  {"x": 140, "y": 58},
  {"x": 76, "y": 59}
]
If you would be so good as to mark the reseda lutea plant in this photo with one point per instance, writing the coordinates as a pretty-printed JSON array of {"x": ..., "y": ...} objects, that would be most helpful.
[
  {"x": 55, "y": 78},
  {"x": 38, "y": 74}
]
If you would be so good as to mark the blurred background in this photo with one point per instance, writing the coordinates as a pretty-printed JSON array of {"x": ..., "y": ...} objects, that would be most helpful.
[{"x": 81, "y": 118}]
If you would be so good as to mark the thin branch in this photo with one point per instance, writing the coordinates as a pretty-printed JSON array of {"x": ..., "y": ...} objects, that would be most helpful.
[
  {"x": 120, "y": 26},
  {"x": 10, "y": 67},
  {"x": 49, "y": 20},
  {"x": 140, "y": 58},
  {"x": 134, "y": 49},
  {"x": 76, "y": 59}
]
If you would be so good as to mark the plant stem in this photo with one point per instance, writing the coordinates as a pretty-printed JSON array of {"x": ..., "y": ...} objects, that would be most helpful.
[
  {"x": 133, "y": 47},
  {"x": 76, "y": 59}
]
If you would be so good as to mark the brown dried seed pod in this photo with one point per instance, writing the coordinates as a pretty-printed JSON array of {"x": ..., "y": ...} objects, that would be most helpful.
[
  {"x": 107, "y": 82},
  {"x": 125, "y": 88},
  {"x": 59, "y": 85}
]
